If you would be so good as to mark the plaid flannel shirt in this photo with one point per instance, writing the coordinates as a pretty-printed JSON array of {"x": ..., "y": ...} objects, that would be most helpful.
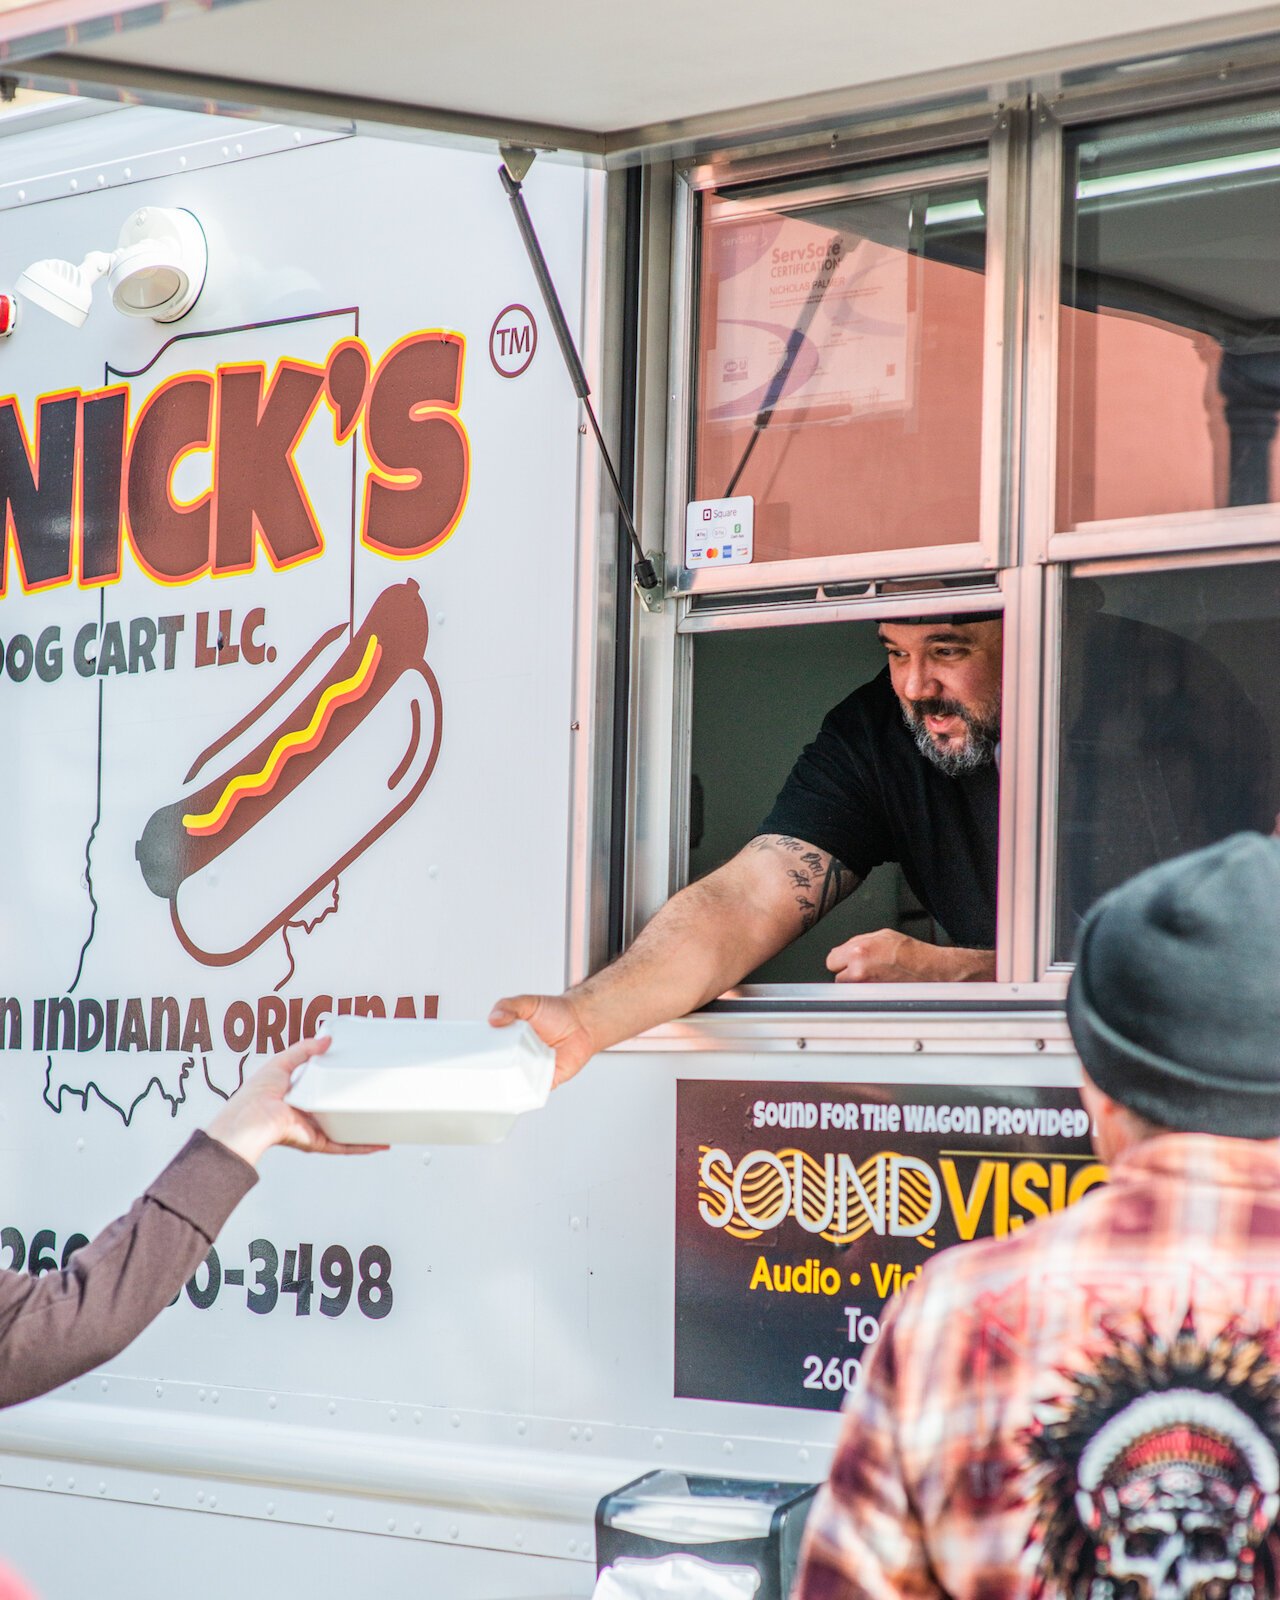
[{"x": 932, "y": 1491}]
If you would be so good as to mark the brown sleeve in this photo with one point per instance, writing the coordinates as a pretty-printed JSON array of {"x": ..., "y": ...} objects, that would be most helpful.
[
  {"x": 864, "y": 1539},
  {"x": 55, "y": 1327}
]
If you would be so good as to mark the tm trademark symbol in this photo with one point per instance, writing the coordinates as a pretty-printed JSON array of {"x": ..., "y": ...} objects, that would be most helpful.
[{"x": 513, "y": 339}]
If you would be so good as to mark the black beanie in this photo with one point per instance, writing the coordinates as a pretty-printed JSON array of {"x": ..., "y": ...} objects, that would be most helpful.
[{"x": 1175, "y": 1001}]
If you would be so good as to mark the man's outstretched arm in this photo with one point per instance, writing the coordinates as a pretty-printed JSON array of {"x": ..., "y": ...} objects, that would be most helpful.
[{"x": 703, "y": 941}]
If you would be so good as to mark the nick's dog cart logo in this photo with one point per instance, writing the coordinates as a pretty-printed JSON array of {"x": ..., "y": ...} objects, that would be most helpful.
[
  {"x": 247, "y": 849},
  {"x": 293, "y": 790}
]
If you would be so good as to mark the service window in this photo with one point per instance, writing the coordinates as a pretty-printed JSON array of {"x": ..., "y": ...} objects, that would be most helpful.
[
  {"x": 1169, "y": 329},
  {"x": 842, "y": 375},
  {"x": 1168, "y": 718},
  {"x": 789, "y": 678}
]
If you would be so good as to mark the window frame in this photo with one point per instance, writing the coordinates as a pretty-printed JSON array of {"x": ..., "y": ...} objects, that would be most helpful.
[
  {"x": 989, "y": 551},
  {"x": 1118, "y": 564},
  {"x": 1222, "y": 528},
  {"x": 1016, "y": 593}
]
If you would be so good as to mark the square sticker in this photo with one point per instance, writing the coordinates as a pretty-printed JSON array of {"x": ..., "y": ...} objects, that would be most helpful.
[{"x": 718, "y": 533}]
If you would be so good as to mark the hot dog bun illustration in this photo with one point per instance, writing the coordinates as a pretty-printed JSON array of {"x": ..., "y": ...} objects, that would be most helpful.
[{"x": 305, "y": 783}]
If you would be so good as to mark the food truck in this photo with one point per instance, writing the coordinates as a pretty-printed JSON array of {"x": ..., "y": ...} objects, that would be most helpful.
[{"x": 917, "y": 313}]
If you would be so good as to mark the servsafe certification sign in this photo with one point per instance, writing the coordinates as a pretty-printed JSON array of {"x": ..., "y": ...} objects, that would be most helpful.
[{"x": 802, "y": 1208}]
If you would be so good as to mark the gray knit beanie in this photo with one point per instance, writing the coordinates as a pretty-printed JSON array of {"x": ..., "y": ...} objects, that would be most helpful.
[{"x": 1175, "y": 1001}]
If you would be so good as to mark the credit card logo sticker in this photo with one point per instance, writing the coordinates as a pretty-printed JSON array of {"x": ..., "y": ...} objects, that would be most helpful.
[{"x": 729, "y": 538}]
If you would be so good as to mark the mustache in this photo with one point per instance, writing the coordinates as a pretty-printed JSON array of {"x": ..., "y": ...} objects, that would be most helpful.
[{"x": 941, "y": 708}]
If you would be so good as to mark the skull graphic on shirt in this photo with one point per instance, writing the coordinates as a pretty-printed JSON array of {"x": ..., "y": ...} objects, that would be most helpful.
[
  {"x": 1178, "y": 1489},
  {"x": 1167, "y": 1492}
]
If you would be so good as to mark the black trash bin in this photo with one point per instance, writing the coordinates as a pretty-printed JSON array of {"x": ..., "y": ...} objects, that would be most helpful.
[{"x": 731, "y": 1522}]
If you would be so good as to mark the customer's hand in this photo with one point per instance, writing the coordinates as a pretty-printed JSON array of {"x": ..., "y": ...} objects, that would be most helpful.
[{"x": 256, "y": 1116}]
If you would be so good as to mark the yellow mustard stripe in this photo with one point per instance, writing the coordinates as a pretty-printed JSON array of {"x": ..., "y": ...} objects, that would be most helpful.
[{"x": 253, "y": 783}]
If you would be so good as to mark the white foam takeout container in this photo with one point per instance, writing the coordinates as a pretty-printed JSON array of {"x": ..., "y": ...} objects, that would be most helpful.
[{"x": 384, "y": 1081}]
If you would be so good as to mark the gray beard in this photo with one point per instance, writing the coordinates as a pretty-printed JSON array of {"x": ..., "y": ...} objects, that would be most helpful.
[{"x": 978, "y": 749}]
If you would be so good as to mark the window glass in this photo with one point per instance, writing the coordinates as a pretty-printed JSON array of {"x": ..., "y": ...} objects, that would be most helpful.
[
  {"x": 1169, "y": 349},
  {"x": 840, "y": 345},
  {"x": 1170, "y": 722}
]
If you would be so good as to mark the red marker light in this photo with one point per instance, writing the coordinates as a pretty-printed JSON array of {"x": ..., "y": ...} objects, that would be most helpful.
[{"x": 8, "y": 315}]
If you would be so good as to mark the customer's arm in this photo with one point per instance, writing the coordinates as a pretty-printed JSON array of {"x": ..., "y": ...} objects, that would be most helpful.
[{"x": 62, "y": 1324}]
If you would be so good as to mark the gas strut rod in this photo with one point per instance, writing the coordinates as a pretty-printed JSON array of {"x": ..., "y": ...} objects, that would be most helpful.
[{"x": 521, "y": 160}]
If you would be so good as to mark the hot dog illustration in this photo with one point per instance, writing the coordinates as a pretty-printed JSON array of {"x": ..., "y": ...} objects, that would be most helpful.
[{"x": 305, "y": 783}]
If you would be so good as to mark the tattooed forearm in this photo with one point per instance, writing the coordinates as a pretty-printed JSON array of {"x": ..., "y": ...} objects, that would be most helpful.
[{"x": 819, "y": 882}]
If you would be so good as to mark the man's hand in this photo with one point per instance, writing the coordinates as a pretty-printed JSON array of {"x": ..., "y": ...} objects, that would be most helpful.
[
  {"x": 256, "y": 1116},
  {"x": 555, "y": 1019},
  {"x": 891, "y": 957}
]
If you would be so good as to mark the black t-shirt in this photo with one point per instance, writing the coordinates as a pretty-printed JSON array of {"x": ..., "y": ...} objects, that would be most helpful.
[{"x": 863, "y": 793}]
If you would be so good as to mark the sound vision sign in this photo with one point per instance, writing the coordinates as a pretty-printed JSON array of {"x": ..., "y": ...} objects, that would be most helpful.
[{"x": 801, "y": 1209}]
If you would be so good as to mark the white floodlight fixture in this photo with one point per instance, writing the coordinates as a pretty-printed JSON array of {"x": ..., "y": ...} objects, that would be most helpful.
[
  {"x": 63, "y": 288},
  {"x": 157, "y": 270}
]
